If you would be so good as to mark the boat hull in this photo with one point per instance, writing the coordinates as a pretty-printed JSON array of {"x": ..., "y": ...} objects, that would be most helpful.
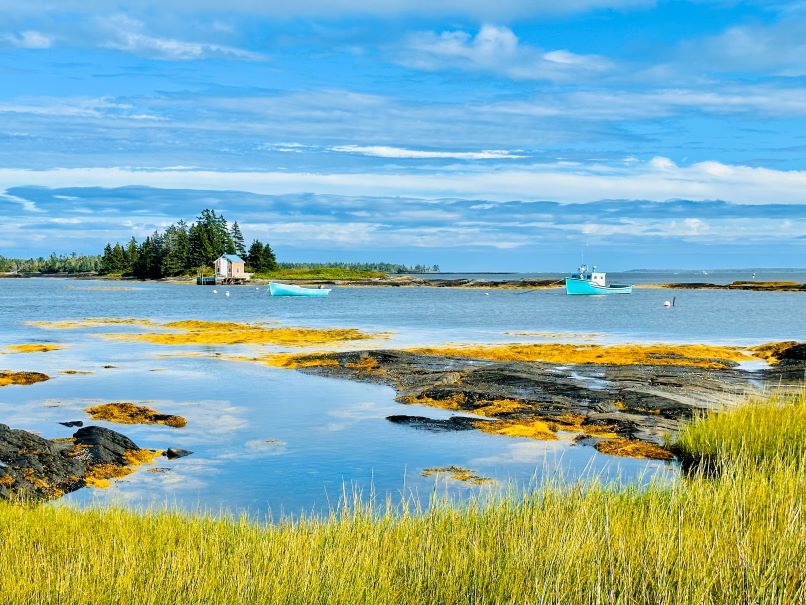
[
  {"x": 291, "y": 290},
  {"x": 575, "y": 286}
]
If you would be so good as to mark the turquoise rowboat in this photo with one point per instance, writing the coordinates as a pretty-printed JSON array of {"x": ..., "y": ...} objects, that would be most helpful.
[
  {"x": 592, "y": 282},
  {"x": 291, "y": 290}
]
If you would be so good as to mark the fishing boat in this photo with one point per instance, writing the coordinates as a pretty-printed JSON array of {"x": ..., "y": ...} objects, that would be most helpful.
[
  {"x": 593, "y": 282},
  {"x": 291, "y": 290}
]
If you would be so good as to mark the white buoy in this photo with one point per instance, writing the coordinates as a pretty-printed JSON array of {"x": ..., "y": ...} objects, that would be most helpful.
[
  {"x": 667, "y": 303},
  {"x": 215, "y": 291},
  {"x": 226, "y": 293}
]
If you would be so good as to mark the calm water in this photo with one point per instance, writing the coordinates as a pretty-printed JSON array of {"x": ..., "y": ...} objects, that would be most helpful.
[{"x": 267, "y": 440}]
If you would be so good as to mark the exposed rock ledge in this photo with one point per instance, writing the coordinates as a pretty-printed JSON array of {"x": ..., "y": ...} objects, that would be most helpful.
[
  {"x": 628, "y": 401},
  {"x": 33, "y": 468}
]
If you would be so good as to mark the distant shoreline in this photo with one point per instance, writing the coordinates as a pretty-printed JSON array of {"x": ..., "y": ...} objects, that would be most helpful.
[{"x": 407, "y": 281}]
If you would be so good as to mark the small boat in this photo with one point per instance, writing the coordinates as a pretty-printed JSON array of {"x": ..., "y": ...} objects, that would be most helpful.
[
  {"x": 290, "y": 290},
  {"x": 585, "y": 282}
]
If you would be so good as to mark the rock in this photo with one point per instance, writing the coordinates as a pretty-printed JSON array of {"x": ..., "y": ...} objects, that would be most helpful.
[
  {"x": 175, "y": 452},
  {"x": 104, "y": 446},
  {"x": 639, "y": 401},
  {"x": 73, "y": 423},
  {"x": 454, "y": 423},
  {"x": 33, "y": 468},
  {"x": 8, "y": 377}
]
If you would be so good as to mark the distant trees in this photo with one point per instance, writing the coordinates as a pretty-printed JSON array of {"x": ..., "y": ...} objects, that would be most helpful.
[{"x": 62, "y": 263}]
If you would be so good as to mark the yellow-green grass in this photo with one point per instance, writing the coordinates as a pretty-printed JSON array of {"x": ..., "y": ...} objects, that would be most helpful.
[
  {"x": 732, "y": 537},
  {"x": 335, "y": 273},
  {"x": 762, "y": 430}
]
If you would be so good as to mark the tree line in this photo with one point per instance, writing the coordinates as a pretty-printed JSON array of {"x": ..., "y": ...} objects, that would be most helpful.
[
  {"x": 62, "y": 263},
  {"x": 184, "y": 249}
]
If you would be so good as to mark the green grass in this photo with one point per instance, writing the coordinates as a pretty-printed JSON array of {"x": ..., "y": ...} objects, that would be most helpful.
[
  {"x": 736, "y": 536},
  {"x": 319, "y": 273},
  {"x": 755, "y": 433}
]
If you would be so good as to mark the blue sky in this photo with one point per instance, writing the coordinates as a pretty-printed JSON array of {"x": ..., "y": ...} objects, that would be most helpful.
[{"x": 475, "y": 135}]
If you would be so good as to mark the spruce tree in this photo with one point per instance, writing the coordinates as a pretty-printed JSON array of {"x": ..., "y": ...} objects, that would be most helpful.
[
  {"x": 254, "y": 257},
  {"x": 237, "y": 240}
]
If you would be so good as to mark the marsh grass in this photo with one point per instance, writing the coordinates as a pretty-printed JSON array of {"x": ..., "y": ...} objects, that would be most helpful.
[
  {"x": 735, "y": 536},
  {"x": 337, "y": 273}
]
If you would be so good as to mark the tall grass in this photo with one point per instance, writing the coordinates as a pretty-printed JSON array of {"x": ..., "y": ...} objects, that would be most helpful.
[{"x": 736, "y": 536}]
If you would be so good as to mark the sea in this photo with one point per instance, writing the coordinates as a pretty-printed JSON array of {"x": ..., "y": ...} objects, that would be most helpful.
[{"x": 272, "y": 443}]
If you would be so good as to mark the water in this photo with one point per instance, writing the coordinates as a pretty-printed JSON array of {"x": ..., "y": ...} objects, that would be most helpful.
[{"x": 268, "y": 441}]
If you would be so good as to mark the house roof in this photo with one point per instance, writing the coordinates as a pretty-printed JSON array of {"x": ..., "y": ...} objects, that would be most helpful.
[{"x": 233, "y": 258}]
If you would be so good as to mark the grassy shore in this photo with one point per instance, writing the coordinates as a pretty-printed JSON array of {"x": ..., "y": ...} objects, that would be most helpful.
[
  {"x": 325, "y": 273},
  {"x": 731, "y": 534}
]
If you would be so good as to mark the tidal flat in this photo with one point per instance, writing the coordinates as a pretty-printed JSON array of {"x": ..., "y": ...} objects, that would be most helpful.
[{"x": 379, "y": 385}]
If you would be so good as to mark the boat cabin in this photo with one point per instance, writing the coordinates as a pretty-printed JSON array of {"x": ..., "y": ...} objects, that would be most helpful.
[{"x": 591, "y": 276}]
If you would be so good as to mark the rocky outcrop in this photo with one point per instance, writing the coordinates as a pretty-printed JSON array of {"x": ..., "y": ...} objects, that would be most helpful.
[
  {"x": 33, "y": 468},
  {"x": 632, "y": 401},
  {"x": 759, "y": 286}
]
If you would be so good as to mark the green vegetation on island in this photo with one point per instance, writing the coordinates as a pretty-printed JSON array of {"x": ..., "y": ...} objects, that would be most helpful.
[
  {"x": 184, "y": 249},
  {"x": 731, "y": 531}
]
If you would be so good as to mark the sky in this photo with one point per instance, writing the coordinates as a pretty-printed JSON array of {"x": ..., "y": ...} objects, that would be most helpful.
[{"x": 476, "y": 135}]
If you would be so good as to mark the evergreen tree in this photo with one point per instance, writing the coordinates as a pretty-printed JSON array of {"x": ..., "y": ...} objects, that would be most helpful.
[
  {"x": 107, "y": 264},
  {"x": 268, "y": 260},
  {"x": 131, "y": 256},
  {"x": 237, "y": 240},
  {"x": 119, "y": 264},
  {"x": 255, "y": 255},
  {"x": 261, "y": 257}
]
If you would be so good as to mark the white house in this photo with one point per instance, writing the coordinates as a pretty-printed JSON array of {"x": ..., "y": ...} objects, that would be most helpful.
[{"x": 230, "y": 266}]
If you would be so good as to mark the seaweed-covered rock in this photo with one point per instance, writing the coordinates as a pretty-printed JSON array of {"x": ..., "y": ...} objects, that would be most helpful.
[
  {"x": 33, "y": 468},
  {"x": 642, "y": 401},
  {"x": 8, "y": 377}
]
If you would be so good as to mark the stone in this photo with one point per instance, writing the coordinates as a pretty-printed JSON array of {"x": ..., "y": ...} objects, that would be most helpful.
[
  {"x": 73, "y": 423},
  {"x": 174, "y": 452}
]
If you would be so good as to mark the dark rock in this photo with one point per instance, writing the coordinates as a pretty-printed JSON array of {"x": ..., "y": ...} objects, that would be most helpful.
[
  {"x": 175, "y": 452},
  {"x": 454, "y": 423},
  {"x": 33, "y": 468},
  {"x": 73, "y": 423},
  {"x": 105, "y": 446},
  {"x": 796, "y": 352}
]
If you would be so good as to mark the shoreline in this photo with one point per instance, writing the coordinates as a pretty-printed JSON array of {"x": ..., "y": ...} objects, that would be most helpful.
[{"x": 418, "y": 282}]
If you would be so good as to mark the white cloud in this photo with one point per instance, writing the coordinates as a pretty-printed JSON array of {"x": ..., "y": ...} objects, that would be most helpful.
[
  {"x": 496, "y": 49},
  {"x": 29, "y": 39},
  {"x": 658, "y": 179},
  {"x": 380, "y": 151},
  {"x": 128, "y": 35},
  {"x": 75, "y": 107},
  {"x": 777, "y": 49},
  {"x": 620, "y": 105}
]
